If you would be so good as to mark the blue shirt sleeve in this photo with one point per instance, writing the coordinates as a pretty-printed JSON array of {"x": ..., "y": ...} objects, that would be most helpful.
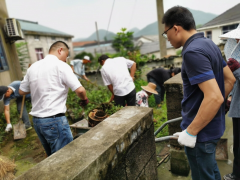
[
  {"x": 224, "y": 63},
  {"x": 6, "y": 101},
  {"x": 198, "y": 67}
]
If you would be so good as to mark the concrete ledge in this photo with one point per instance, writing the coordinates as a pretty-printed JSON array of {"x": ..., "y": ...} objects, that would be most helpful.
[
  {"x": 174, "y": 96},
  {"x": 102, "y": 150}
]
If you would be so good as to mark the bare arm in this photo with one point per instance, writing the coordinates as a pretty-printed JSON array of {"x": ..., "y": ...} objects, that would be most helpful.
[
  {"x": 72, "y": 67},
  {"x": 23, "y": 93},
  {"x": 85, "y": 77},
  {"x": 110, "y": 87},
  {"x": 7, "y": 114},
  {"x": 133, "y": 70},
  {"x": 81, "y": 92},
  {"x": 229, "y": 80},
  {"x": 210, "y": 105}
]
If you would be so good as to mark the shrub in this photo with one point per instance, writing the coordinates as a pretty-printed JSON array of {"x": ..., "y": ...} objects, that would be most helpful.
[{"x": 123, "y": 39}]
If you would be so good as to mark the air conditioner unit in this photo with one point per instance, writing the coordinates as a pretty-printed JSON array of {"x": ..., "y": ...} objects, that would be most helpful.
[{"x": 13, "y": 29}]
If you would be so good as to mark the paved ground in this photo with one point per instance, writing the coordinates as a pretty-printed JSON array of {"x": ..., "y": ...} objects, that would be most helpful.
[{"x": 225, "y": 167}]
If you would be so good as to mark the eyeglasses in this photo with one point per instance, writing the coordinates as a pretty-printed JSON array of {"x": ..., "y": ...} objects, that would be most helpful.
[{"x": 165, "y": 32}]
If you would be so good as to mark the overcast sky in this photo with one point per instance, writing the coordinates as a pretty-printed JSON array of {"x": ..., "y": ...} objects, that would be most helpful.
[{"x": 77, "y": 17}]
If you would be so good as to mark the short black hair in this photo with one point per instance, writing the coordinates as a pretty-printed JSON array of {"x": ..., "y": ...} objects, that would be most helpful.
[
  {"x": 181, "y": 16},
  {"x": 176, "y": 70},
  {"x": 102, "y": 58},
  {"x": 58, "y": 44}
]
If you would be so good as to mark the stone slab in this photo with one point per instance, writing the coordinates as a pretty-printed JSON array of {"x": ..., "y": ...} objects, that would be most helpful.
[{"x": 92, "y": 155}]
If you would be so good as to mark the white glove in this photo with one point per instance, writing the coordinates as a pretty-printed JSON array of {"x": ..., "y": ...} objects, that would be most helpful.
[{"x": 186, "y": 139}]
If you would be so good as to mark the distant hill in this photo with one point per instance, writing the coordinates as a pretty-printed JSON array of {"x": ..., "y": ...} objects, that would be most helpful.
[
  {"x": 93, "y": 36},
  {"x": 151, "y": 29},
  {"x": 135, "y": 30},
  {"x": 199, "y": 16}
]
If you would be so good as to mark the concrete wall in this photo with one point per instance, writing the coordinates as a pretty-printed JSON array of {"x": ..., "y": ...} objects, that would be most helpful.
[
  {"x": 174, "y": 96},
  {"x": 120, "y": 147},
  {"x": 170, "y": 51},
  {"x": 216, "y": 32}
]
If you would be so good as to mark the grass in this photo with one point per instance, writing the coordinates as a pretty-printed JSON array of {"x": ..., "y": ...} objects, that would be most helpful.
[{"x": 159, "y": 114}]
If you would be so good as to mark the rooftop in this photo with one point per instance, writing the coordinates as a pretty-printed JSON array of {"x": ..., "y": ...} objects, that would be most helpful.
[
  {"x": 228, "y": 17},
  {"x": 30, "y": 27}
]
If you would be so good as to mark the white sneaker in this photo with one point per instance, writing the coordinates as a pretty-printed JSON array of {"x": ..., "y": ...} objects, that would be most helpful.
[{"x": 8, "y": 128}]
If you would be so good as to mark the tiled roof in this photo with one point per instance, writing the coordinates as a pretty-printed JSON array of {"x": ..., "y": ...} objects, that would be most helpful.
[
  {"x": 82, "y": 43},
  {"x": 34, "y": 27},
  {"x": 231, "y": 15}
]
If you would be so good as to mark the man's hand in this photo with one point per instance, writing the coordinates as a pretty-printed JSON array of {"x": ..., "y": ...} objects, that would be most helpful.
[
  {"x": 186, "y": 139},
  {"x": 233, "y": 64},
  {"x": 112, "y": 97},
  {"x": 133, "y": 78},
  {"x": 84, "y": 102},
  {"x": 227, "y": 106}
]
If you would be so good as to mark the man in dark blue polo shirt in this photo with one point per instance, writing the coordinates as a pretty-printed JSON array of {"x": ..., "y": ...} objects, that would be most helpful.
[{"x": 206, "y": 82}]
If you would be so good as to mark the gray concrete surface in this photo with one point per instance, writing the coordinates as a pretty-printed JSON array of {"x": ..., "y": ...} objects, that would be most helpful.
[{"x": 120, "y": 147}]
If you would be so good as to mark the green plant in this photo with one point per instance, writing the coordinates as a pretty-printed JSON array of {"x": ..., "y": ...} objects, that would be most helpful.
[
  {"x": 82, "y": 54},
  {"x": 179, "y": 52},
  {"x": 23, "y": 54},
  {"x": 124, "y": 40},
  {"x": 96, "y": 95},
  {"x": 138, "y": 58},
  {"x": 14, "y": 115}
]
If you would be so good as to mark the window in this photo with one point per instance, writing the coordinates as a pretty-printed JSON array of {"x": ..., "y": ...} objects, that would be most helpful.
[
  {"x": 3, "y": 60},
  {"x": 226, "y": 29},
  {"x": 209, "y": 34},
  {"x": 37, "y": 38},
  {"x": 53, "y": 38},
  {"x": 39, "y": 53}
]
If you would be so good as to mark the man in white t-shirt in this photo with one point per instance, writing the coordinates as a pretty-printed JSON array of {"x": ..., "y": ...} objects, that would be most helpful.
[
  {"x": 116, "y": 77},
  {"x": 48, "y": 81},
  {"x": 78, "y": 67}
]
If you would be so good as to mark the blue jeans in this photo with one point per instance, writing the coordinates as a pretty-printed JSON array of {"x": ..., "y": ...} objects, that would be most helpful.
[
  {"x": 54, "y": 133},
  {"x": 202, "y": 161},
  {"x": 25, "y": 116},
  {"x": 160, "y": 89}
]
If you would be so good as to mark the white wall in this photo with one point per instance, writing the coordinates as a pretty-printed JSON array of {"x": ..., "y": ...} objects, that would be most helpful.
[
  {"x": 44, "y": 42},
  {"x": 216, "y": 32}
]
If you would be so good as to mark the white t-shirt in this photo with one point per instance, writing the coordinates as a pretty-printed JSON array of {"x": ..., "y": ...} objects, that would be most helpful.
[
  {"x": 48, "y": 80},
  {"x": 79, "y": 67},
  {"x": 115, "y": 72}
]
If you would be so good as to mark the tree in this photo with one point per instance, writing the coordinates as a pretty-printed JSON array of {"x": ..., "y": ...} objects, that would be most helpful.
[
  {"x": 123, "y": 39},
  {"x": 23, "y": 55},
  {"x": 199, "y": 26},
  {"x": 82, "y": 54}
]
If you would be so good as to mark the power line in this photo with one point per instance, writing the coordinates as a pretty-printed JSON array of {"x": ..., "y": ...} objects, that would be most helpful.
[
  {"x": 132, "y": 13},
  {"x": 110, "y": 18}
]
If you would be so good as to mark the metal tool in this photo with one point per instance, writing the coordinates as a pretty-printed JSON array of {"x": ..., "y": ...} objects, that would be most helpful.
[
  {"x": 221, "y": 148},
  {"x": 88, "y": 81},
  {"x": 19, "y": 129}
]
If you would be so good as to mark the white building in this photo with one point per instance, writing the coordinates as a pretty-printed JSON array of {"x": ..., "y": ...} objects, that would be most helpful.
[
  {"x": 221, "y": 24},
  {"x": 39, "y": 38}
]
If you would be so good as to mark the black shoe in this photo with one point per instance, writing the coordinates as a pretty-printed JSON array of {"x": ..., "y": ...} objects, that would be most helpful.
[{"x": 229, "y": 177}]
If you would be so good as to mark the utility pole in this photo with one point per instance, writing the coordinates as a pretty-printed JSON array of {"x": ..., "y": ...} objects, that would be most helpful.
[
  {"x": 98, "y": 36},
  {"x": 162, "y": 40},
  {"x": 97, "y": 32}
]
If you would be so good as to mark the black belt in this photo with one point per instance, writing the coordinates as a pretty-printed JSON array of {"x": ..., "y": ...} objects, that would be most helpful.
[{"x": 57, "y": 115}]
